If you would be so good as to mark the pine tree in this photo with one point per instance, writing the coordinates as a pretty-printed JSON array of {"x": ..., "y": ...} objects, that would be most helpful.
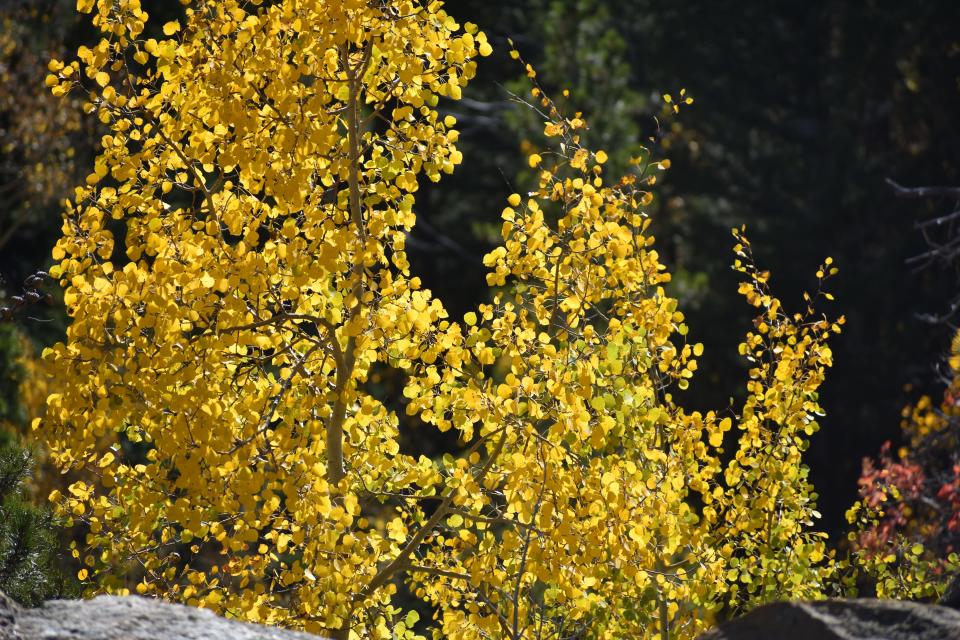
[
  {"x": 28, "y": 566},
  {"x": 29, "y": 571}
]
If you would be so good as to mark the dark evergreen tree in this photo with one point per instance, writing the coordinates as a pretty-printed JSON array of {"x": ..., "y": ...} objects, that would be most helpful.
[
  {"x": 29, "y": 563},
  {"x": 29, "y": 571}
]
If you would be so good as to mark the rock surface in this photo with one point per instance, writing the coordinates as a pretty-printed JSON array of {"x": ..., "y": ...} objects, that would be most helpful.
[
  {"x": 864, "y": 619},
  {"x": 135, "y": 618},
  {"x": 127, "y": 618}
]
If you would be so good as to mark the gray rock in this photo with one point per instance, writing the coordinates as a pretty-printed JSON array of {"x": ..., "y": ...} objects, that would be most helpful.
[
  {"x": 8, "y": 615},
  {"x": 864, "y": 619},
  {"x": 127, "y": 618}
]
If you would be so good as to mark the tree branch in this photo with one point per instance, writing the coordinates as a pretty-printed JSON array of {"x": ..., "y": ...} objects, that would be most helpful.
[
  {"x": 387, "y": 572},
  {"x": 923, "y": 192}
]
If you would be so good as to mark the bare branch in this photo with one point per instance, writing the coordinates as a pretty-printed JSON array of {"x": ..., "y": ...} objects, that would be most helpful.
[{"x": 923, "y": 192}]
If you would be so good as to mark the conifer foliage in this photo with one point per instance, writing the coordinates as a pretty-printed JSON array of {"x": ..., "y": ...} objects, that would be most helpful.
[
  {"x": 29, "y": 564},
  {"x": 234, "y": 269},
  {"x": 28, "y": 546}
]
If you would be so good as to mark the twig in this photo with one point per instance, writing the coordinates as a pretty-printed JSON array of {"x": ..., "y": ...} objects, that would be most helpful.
[{"x": 923, "y": 192}]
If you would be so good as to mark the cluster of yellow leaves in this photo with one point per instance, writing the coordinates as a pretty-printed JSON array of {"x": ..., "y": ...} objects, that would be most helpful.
[
  {"x": 234, "y": 268},
  {"x": 926, "y": 418},
  {"x": 771, "y": 501}
]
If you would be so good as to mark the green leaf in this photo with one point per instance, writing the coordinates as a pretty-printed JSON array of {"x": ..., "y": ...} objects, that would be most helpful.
[{"x": 411, "y": 619}]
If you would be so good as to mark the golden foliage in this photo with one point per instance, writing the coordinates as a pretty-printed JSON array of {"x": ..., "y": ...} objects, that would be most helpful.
[{"x": 235, "y": 266}]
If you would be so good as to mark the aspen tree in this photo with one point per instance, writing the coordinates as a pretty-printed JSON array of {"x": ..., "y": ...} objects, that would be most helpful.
[{"x": 235, "y": 266}]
